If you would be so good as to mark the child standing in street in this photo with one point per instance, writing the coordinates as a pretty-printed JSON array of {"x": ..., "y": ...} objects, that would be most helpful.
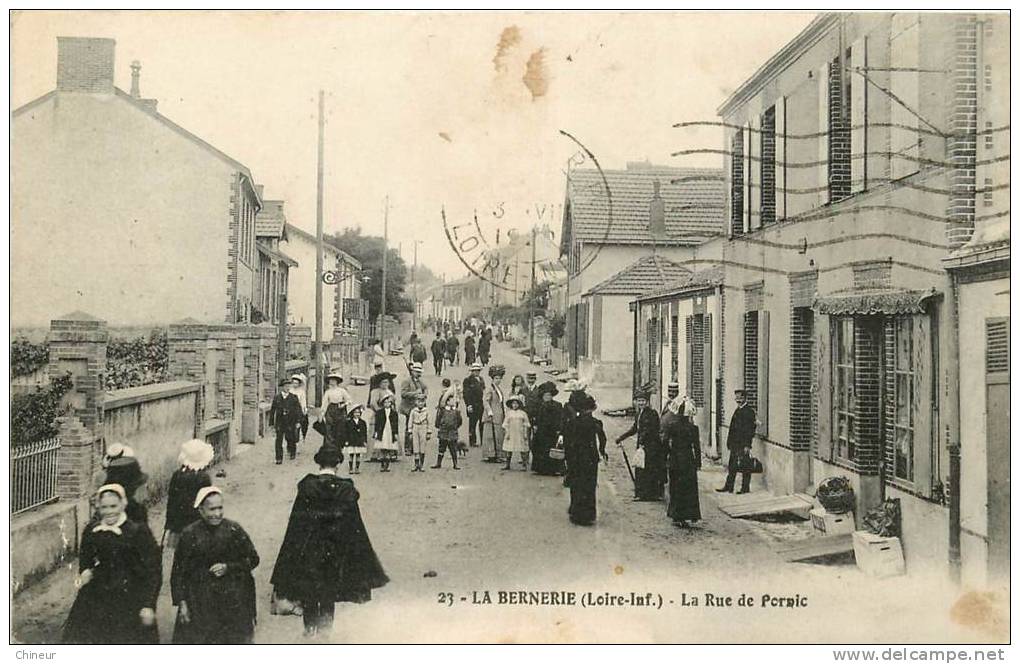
[
  {"x": 355, "y": 440},
  {"x": 516, "y": 425},
  {"x": 387, "y": 421},
  {"x": 420, "y": 429},
  {"x": 448, "y": 427}
]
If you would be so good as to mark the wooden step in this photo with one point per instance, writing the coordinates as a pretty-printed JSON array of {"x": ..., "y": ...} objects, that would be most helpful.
[
  {"x": 815, "y": 547},
  {"x": 752, "y": 505}
]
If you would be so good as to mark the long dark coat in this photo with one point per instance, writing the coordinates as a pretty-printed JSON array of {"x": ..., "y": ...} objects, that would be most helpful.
[
  {"x": 222, "y": 608},
  {"x": 326, "y": 549},
  {"x": 469, "y": 351},
  {"x": 648, "y": 481},
  {"x": 583, "y": 443},
  {"x": 180, "y": 499},
  {"x": 742, "y": 426},
  {"x": 126, "y": 575},
  {"x": 681, "y": 439},
  {"x": 548, "y": 420},
  {"x": 286, "y": 412}
]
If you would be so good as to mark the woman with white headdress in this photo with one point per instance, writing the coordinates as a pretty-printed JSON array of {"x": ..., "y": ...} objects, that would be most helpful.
[
  {"x": 195, "y": 457},
  {"x": 119, "y": 575},
  {"x": 211, "y": 582},
  {"x": 682, "y": 445}
]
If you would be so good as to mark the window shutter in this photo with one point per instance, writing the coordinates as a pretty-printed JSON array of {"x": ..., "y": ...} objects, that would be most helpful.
[
  {"x": 780, "y": 159},
  {"x": 582, "y": 329},
  {"x": 996, "y": 349},
  {"x": 823, "y": 134},
  {"x": 924, "y": 437},
  {"x": 748, "y": 166},
  {"x": 858, "y": 115},
  {"x": 822, "y": 389},
  {"x": 763, "y": 372},
  {"x": 596, "y": 335},
  {"x": 754, "y": 173},
  {"x": 571, "y": 332}
]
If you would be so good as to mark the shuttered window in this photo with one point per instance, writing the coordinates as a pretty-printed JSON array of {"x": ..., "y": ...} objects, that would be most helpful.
[
  {"x": 844, "y": 404},
  {"x": 903, "y": 399},
  {"x": 997, "y": 345}
]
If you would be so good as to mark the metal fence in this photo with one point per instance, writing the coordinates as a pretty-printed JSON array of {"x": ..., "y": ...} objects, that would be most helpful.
[{"x": 34, "y": 474}]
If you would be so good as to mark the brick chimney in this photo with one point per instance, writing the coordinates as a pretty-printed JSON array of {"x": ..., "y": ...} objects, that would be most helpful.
[
  {"x": 85, "y": 64},
  {"x": 136, "y": 74}
]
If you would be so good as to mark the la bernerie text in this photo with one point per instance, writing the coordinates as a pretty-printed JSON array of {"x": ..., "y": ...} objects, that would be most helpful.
[{"x": 631, "y": 599}]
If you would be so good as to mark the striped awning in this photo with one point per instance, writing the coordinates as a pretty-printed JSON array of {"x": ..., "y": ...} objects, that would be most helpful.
[{"x": 889, "y": 302}]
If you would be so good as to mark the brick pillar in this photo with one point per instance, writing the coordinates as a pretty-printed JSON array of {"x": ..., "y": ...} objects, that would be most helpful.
[
  {"x": 869, "y": 336},
  {"x": 839, "y": 134},
  {"x": 962, "y": 142},
  {"x": 77, "y": 346},
  {"x": 186, "y": 348}
]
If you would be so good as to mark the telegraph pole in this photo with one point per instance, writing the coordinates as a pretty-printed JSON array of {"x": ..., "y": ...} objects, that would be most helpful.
[
  {"x": 531, "y": 301},
  {"x": 386, "y": 244},
  {"x": 317, "y": 346},
  {"x": 414, "y": 281}
]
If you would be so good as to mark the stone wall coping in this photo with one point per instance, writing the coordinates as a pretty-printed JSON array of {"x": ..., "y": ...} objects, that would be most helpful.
[
  {"x": 131, "y": 396},
  {"x": 213, "y": 426}
]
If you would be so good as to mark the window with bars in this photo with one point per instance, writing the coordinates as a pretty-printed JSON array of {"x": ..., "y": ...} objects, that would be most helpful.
[
  {"x": 844, "y": 402},
  {"x": 903, "y": 426}
]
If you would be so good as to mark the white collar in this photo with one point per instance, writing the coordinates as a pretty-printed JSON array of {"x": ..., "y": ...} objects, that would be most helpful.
[
  {"x": 327, "y": 471},
  {"x": 114, "y": 528}
]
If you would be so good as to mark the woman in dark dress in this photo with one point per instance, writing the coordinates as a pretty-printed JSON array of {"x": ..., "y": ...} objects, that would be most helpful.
[
  {"x": 680, "y": 437},
  {"x": 211, "y": 582},
  {"x": 586, "y": 443},
  {"x": 326, "y": 555},
  {"x": 119, "y": 578},
  {"x": 126, "y": 472},
  {"x": 195, "y": 457},
  {"x": 548, "y": 419},
  {"x": 469, "y": 349},
  {"x": 649, "y": 479}
]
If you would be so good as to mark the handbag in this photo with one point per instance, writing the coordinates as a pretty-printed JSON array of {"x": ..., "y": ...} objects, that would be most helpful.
[
  {"x": 320, "y": 427},
  {"x": 639, "y": 458},
  {"x": 281, "y": 606},
  {"x": 750, "y": 464}
]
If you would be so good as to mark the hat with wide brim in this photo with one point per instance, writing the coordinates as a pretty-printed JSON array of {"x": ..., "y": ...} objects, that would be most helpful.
[
  {"x": 515, "y": 398},
  {"x": 328, "y": 456},
  {"x": 497, "y": 370},
  {"x": 334, "y": 375},
  {"x": 549, "y": 387},
  {"x": 354, "y": 410},
  {"x": 415, "y": 366},
  {"x": 196, "y": 454},
  {"x": 476, "y": 366},
  {"x": 301, "y": 377},
  {"x": 126, "y": 472}
]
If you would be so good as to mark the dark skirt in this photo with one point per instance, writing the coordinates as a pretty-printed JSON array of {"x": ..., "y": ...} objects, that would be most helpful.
[
  {"x": 583, "y": 482},
  {"x": 684, "y": 504},
  {"x": 648, "y": 481},
  {"x": 99, "y": 616},
  {"x": 541, "y": 462}
]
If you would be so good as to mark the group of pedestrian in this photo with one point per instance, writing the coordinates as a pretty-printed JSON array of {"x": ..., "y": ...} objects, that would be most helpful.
[{"x": 326, "y": 556}]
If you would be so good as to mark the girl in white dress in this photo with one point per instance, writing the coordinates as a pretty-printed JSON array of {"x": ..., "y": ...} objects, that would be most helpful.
[
  {"x": 385, "y": 433},
  {"x": 516, "y": 425}
]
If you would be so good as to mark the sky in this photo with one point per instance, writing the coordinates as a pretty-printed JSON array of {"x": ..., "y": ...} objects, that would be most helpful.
[{"x": 439, "y": 111}]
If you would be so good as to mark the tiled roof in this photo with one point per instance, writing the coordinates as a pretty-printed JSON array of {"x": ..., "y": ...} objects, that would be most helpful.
[
  {"x": 694, "y": 205},
  {"x": 270, "y": 220},
  {"x": 275, "y": 253},
  {"x": 648, "y": 273},
  {"x": 698, "y": 280}
]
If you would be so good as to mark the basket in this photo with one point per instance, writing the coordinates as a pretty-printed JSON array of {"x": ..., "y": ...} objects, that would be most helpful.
[
  {"x": 836, "y": 495},
  {"x": 557, "y": 454}
]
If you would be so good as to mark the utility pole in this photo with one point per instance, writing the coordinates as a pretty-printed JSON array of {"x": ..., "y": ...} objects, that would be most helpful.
[
  {"x": 386, "y": 244},
  {"x": 317, "y": 346},
  {"x": 281, "y": 340},
  {"x": 414, "y": 282},
  {"x": 531, "y": 301}
]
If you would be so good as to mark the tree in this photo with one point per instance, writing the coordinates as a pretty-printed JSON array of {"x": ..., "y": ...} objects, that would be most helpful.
[{"x": 368, "y": 249}]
